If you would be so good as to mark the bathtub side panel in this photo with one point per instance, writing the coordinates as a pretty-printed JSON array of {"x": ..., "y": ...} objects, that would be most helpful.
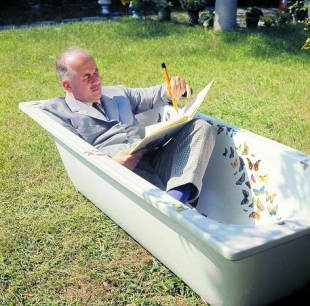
[{"x": 255, "y": 280}]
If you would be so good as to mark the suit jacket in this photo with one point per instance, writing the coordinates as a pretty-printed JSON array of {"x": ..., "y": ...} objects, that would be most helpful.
[{"x": 115, "y": 131}]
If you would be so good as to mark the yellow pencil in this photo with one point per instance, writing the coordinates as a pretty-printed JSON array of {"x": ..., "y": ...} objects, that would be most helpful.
[{"x": 174, "y": 102}]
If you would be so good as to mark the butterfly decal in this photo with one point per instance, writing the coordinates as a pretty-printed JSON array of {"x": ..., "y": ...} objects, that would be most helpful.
[
  {"x": 253, "y": 165},
  {"x": 259, "y": 205},
  {"x": 241, "y": 164},
  {"x": 252, "y": 204},
  {"x": 232, "y": 153},
  {"x": 159, "y": 117},
  {"x": 228, "y": 130},
  {"x": 270, "y": 197},
  {"x": 273, "y": 210},
  {"x": 248, "y": 184},
  {"x": 305, "y": 164},
  {"x": 241, "y": 180},
  {"x": 253, "y": 180},
  {"x": 225, "y": 153},
  {"x": 235, "y": 163},
  {"x": 167, "y": 117},
  {"x": 245, "y": 149},
  {"x": 259, "y": 191},
  {"x": 238, "y": 148},
  {"x": 235, "y": 173},
  {"x": 263, "y": 178},
  {"x": 220, "y": 129},
  {"x": 233, "y": 133},
  {"x": 246, "y": 195},
  {"x": 210, "y": 122},
  {"x": 255, "y": 215},
  {"x": 245, "y": 210}
]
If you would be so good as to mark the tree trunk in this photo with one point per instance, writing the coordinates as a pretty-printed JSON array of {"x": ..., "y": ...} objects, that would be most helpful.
[{"x": 225, "y": 15}]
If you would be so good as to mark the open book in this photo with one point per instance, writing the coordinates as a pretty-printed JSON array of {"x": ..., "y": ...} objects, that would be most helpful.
[{"x": 159, "y": 133}]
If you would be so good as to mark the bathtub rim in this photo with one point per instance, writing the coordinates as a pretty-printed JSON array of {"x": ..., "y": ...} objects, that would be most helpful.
[{"x": 246, "y": 240}]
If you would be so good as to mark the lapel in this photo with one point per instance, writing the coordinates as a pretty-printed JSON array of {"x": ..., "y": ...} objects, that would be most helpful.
[
  {"x": 110, "y": 106},
  {"x": 83, "y": 108}
]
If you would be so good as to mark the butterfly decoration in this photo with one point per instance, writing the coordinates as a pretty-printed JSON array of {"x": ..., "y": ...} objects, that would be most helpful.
[
  {"x": 235, "y": 163},
  {"x": 259, "y": 205},
  {"x": 225, "y": 153},
  {"x": 167, "y": 117},
  {"x": 245, "y": 210},
  {"x": 248, "y": 184},
  {"x": 255, "y": 215},
  {"x": 253, "y": 155},
  {"x": 241, "y": 180},
  {"x": 232, "y": 153},
  {"x": 262, "y": 178},
  {"x": 159, "y": 118},
  {"x": 272, "y": 210},
  {"x": 252, "y": 204},
  {"x": 305, "y": 164},
  {"x": 246, "y": 195},
  {"x": 210, "y": 122},
  {"x": 228, "y": 130},
  {"x": 259, "y": 191},
  {"x": 252, "y": 180},
  {"x": 220, "y": 129},
  {"x": 238, "y": 148},
  {"x": 270, "y": 197},
  {"x": 241, "y": 164},
  {"x": 233, "y": 133},
  {"x": 235, "y": 173},
  {"x": 245, "y": 149},
  {"x": 253, "y": 165}
]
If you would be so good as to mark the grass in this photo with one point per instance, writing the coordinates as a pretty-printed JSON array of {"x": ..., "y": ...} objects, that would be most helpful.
[{"x": 56, "y": 248}]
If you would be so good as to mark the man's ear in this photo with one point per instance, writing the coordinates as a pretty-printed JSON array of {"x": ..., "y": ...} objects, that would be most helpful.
[{"x": 66, "y": 85}]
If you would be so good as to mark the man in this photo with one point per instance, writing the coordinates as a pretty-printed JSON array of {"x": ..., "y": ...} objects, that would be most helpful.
[{"x": 105, "y": 118}]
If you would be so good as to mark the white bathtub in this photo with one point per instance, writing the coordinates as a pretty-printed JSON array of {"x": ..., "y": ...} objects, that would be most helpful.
[{"x": 249, "y": 242}]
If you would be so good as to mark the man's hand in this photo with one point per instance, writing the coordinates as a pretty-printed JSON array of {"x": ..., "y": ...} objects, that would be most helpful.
[
  {"x": 178, "y": 87},
  {"x": 129, "y": 161}
]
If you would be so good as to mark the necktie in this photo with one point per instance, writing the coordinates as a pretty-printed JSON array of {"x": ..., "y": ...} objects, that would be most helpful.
[{"x": 98, "y": 107}]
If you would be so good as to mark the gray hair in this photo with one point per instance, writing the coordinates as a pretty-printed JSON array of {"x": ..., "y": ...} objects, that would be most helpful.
[{"x": 63, "y": 69}]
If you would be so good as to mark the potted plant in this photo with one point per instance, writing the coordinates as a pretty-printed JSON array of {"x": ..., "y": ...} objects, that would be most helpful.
[
  {"x": 193, "y": 7},
  {"x": 252, "y": 15},
  {"x": 206, "y": 19},
  {"x": 268, "y": 21},
  {"x": 164, "y": 9}
]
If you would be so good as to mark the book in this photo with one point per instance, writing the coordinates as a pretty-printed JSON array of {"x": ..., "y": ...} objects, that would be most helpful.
[{"x": 159, "y": 133}]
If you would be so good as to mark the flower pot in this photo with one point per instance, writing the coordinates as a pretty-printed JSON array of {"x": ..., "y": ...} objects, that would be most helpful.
[{"x": 252, "y": 21}]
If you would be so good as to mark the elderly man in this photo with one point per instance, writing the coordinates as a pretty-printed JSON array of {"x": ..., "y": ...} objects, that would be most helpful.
[{"x": 105, "y": 118}]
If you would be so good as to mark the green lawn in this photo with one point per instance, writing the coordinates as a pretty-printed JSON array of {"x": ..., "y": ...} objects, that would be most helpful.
[{"x": 56, "y": 248}]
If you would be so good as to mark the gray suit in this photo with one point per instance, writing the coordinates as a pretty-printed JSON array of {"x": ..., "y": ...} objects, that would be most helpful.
[{"x": 183, "y": 160}]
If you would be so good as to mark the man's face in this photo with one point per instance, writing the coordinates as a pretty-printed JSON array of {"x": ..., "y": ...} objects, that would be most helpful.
[{"x": 86, "y": 83}]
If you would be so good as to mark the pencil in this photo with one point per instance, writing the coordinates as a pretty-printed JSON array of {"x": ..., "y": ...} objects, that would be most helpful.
[{"x": 174, "y": 102}]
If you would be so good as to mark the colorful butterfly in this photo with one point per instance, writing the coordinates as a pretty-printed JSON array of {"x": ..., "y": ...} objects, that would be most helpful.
[
  {"x": 273, "y": 210},
  {"x": 259, "y": 205},
  {"x": 263, "y": 178},
  {"x": 228, "y": 130},
  {"x": 260, "y": 191},
  {"x": 232, "y": 153},
  {"x": 270, "y": 197},
  {"x": 225, "y": 153},
  {"x": 253, "y": 180},
  {"x": 238, "y": 148},
  {"x": 252, "y": 204},
  {"x": 241, "y": 180},
  {"x": 255, "y": 215},
  {"x": 245, "y": 150},
  {"x": 241, "y": 163},
  {"x": 248, "y": 184},
  {"x": 255, "y": 165},
  {"x": 246, "y": 197},
  {"x": 235, "y": 163}
]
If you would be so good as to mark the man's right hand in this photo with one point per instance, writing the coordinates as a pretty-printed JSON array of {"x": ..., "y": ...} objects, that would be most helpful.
[{"x": 128, "y": 160}]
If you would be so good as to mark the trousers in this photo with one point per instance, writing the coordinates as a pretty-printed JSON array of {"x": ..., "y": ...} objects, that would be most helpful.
[{"x": 182, "y": 160}]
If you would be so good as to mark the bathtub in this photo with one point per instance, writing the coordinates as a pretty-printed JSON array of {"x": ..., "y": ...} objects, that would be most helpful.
[{"x": 247, "y": 243}]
